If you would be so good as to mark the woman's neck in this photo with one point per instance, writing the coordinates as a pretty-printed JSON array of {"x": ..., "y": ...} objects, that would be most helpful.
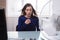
[{"x": 27, "y": 16}]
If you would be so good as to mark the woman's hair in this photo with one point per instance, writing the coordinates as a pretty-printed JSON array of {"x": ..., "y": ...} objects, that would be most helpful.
[{"x": 33, "y": 10}]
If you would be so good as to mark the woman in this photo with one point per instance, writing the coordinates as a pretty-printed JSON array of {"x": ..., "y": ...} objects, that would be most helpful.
[{"x": 29, "y": 20}]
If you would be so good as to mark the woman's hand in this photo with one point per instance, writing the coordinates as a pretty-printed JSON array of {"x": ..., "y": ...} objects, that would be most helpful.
[{"x": 28, "y": 21}]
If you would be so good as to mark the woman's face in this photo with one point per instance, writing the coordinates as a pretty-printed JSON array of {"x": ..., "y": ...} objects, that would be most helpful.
[{"x": 28, "y": 10}]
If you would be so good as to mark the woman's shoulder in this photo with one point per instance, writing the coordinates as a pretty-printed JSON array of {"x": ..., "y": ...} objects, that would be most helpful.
[
  {"x": 21, "y": 17},
  {"x": 35, "y": 17}
]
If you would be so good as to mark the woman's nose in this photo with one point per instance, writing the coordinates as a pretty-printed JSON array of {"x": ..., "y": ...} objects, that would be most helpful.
[{"x": 29, "y": 11}]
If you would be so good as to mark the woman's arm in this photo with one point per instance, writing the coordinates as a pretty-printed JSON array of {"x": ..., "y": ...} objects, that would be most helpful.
[
  {"x": 21, "y": 24},
  {"x": 37, "y": 24}
]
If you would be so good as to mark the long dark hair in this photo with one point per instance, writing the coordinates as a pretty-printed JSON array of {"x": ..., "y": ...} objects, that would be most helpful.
[{"x": 33, "y": 10}]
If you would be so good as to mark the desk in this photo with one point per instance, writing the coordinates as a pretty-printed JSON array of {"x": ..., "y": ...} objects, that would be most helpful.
[{"x": 33, "y": 35}]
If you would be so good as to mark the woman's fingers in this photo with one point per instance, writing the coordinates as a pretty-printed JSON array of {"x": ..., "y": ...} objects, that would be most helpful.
[{"x": 28, "y": 21}]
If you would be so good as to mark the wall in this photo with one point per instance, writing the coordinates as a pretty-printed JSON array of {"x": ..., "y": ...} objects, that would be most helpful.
[{"x": 2, "y": 3}]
